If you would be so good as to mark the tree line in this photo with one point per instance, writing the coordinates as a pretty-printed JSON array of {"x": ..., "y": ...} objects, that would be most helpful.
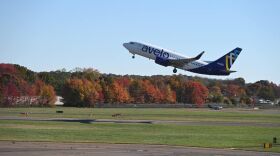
[
  {"x": 86, "y": 87},
  {"x": 20, "y": 86}
]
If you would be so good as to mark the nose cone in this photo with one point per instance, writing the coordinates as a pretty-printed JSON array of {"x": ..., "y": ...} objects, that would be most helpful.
[{"x": 126, "y": 45}]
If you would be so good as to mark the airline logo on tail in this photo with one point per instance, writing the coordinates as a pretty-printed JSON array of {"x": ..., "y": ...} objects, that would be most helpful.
[{"x": 230, "y": 58}]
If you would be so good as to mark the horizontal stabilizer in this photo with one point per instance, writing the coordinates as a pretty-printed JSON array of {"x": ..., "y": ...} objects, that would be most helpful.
[{"x": 208, "y": 61}]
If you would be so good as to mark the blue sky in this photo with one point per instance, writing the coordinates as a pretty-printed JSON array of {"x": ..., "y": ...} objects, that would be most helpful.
[{"x": 48, "y": 35}]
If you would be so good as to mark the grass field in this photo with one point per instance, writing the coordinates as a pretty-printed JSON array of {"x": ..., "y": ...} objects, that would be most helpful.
[{"x": 241, "y": 137}]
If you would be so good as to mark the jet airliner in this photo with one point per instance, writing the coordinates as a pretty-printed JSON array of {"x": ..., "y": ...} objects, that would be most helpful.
[{"x": 166, "y": 58}]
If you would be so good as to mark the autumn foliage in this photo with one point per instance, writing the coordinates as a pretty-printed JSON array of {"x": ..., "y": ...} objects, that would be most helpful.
[
  {"x": 88, "y": 87},
  {"x": 18, "y": 89},
  {"x": 82, "y": 93},
  {"x": 195, "y": 92}
]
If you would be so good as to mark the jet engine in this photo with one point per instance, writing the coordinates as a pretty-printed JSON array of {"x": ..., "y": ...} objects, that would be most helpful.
[{"x": 162, "y": 61}]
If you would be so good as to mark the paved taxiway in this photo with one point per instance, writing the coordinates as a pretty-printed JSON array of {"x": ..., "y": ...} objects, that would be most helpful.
[
  {"x": 8, "y": 148},
  {"x": 88, "y": 121}
]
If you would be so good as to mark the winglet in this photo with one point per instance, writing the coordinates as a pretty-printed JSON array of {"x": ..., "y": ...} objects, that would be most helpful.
[{"x": 199, "y": 56}]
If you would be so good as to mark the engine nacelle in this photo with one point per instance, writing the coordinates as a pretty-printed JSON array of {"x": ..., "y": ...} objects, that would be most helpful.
[{"x": 163, "y": 62}]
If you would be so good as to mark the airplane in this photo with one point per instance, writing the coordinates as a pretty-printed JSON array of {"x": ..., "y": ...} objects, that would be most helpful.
[{"x": 164, "y": 57}]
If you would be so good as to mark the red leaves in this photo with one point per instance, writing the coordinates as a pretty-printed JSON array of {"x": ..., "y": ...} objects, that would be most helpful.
[
  {"x": 124, "y": 81},
  {"x": 17, "y": 91},
  {"x": 10, "y": 90},
  {"x": 233, "y": 91},
  {"x": 87, "y": 89},
  {"x": 7, "y": 69},
  {"x": 196, "y": 93}
]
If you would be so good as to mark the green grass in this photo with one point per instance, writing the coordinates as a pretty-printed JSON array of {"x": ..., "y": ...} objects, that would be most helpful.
[
  {"x": 245, "y": 137},
  {"x": 230, "y": 115}
]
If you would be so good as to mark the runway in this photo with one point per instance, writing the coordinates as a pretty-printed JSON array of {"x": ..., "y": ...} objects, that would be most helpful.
[
  {"x": 191, "y": 123},
  {"x": 8, "y": 148}
]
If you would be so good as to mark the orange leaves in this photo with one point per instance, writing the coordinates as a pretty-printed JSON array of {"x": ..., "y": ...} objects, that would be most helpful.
[
  {"x": 47, "y": 94},
  {"x": 120, "y": 93},
  {"x": 82, "y": 92},
  {"x": 152, "y": 94},
  {"x": 169, "y": 96},
  {"x": 195, "y": 93}
]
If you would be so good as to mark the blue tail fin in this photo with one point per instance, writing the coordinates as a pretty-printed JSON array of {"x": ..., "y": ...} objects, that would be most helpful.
[{"x": 225, "y": 62}]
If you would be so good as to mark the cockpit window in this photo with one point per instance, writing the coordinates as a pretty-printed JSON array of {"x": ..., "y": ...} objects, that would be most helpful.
[{"x": 131, "y": 42}]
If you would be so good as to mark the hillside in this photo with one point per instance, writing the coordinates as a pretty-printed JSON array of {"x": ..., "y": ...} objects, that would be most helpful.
[{"x": 86, "y": 87}]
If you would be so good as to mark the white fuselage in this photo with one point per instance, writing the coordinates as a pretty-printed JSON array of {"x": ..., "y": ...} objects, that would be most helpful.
[{"x": 152, "y": 52}]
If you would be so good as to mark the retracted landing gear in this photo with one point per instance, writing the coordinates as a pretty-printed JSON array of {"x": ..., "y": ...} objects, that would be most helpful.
[
  {"x": 133, "y": 56},
  {"x": 174, "y": 70}
]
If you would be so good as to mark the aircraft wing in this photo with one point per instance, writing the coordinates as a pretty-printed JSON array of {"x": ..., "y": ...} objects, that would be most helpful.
[{"x": 182, "y": 62}]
